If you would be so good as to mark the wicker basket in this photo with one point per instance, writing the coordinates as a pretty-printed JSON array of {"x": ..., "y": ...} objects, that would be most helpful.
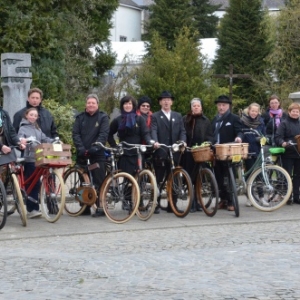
[
  {"x": 227, "y": 151},
  {"x": 57, "y": 155},
  {"x": 297, "y": 137},
  {"x": 202, "y": 154}
]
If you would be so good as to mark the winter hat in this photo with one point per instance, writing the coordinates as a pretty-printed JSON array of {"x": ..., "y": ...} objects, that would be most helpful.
[{"x": 144, "y": 99}]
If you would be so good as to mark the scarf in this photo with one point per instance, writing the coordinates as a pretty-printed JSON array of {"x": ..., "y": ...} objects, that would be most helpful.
[
  {"x": 190, "y": 123},
  {"x": 218, "y": 125},
  {"x": 147, "y": 117},
  {"x": 277, "y": 114},
  {"x": 250, "y": 122},
  {"x": 128, "y": 120}
]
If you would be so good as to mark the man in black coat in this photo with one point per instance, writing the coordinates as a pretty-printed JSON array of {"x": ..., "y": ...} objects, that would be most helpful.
[
  {"x": 91, "y": 126},
  {"x": 45, "y": 120},
  {"x": 166, "y": 128},
  {"x": 227, "y": 128}
]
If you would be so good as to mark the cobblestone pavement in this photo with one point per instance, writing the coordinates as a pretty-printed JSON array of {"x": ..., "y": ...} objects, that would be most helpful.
[{"x": 255, "y": 256}]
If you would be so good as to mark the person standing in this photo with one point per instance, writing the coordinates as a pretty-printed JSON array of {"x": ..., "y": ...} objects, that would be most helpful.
[
  {"x": 29, "y": 128},
  {"x": 144, "y": 109},
  {"x": 273, "y": 117},
  {"x": 198, "y": 130},
  {"x": 130, "y": 128},
  {"x": 166, "y": 128},
  {"x": 286, "y": 132},
  {"x": 45, "y": 120},
  {"x": 227, "y": 128},
  {"x": 91, "y": 126},
  {"x": 251, "y": 119}
]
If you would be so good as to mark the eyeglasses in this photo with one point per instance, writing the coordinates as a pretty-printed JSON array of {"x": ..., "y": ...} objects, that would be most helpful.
[{"x": 145, "y": 105}]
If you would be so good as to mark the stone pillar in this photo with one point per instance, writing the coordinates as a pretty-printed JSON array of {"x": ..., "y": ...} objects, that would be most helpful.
[
  {"x": 295, "y": 97},
  {"x": 15, "y": 80}
]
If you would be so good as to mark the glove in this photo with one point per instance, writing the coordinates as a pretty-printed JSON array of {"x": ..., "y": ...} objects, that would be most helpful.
[
  {"x": 81, "y": 152},
  {"x": 93, "y": 151}
]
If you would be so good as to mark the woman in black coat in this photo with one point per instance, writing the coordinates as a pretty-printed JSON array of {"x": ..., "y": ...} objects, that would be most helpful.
[
  {"x": 198, "y": 130},
  {"x": 286, "y": 132},
  {"x": 130, "y": 128}
]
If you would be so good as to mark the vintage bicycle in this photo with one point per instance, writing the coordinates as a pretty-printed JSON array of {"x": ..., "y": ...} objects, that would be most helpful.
[
  {"x": 206, "y": 186},
  {"x": 176, "y": 188},
  {"x": 50, "y": 159},
  {"x": 146, "y": 181},
  {"x": 118, "y": 194}
]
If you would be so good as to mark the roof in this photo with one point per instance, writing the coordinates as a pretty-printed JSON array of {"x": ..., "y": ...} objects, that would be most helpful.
[
  {"x": 271, "y": 4},
  {"x": 129, "y": 3}
]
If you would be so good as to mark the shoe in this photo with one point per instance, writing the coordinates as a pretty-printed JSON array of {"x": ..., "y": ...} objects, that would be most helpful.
[
  {"x": 222, "y": 204},
  {"x": 87, "y": 211},
  {"x": 248, "y": 203},
  {"x": 127, "y": 205},
  {"x": 98, "y": 213},
  {"x": 193, "y": 209},
  {"x": 230, "y": 208},
  {"x": 276, "y": 198},
  {"x": 33, "y": 214},
  {"x": 157, "y": 210},
  {"x": 198, "y": 207},
  {"x": 11, "y": 211},
  {"x": 296, "y": 201},
  {"x": 289, "y": 202},
  {"x": 263, "y": 202}
]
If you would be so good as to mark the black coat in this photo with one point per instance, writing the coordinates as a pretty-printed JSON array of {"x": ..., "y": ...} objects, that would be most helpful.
[
  {"x": 286, "y": 131},
  {"x": 9, "y": 132},
  {"x": 231, "y": 128},
  {"x": 45, "y": 120}
]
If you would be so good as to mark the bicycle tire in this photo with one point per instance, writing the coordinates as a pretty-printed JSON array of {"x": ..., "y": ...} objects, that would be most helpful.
[
  {"x": 148, "y": 194},
  {"x": 73, "y": 179},
  {"x": 207, "y": 191},
  {"x": 281, "y": 183},
  {"x": 18, "y": 199},
  {"x": 52, "y": 195},
  {"x": 233, "y": 193},
  {"x": 120, "y": 196},
  {"x": 180, "y": 192},
  {"x": 3, "y": 205}
]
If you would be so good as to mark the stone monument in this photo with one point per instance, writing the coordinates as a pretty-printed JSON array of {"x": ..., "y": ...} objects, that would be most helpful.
[{"x": 15, "y": 80}]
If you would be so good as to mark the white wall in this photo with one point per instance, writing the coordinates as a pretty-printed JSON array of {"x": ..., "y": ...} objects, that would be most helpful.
[{"x": 126, "y": 22}]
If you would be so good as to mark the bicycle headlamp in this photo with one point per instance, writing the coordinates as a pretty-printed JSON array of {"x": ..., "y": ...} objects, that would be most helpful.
[
  {"x": 175, "y": 147},
  {"x": 143, "y": 148}
]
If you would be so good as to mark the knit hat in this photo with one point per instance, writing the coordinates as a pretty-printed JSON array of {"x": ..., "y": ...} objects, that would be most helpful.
[{"x": 144, "y": 99}]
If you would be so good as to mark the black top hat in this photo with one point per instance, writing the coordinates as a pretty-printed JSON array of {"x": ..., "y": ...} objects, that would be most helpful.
[
  {"x": 165, "y": 94},
  {"x": 223, "y": 99}
]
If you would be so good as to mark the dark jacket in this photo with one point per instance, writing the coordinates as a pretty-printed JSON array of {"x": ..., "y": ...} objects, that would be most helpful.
[
  {"x": 88, "y": 129},
  {"x": 10, "y": 133},
  {"x": 198, "y": 129},
  {"x": 167, "y": 132},
  {"x": 271, "y": 126},
  {"x": 231, "y": 128},
  {"x": 45, "y": 120},
  {"x": 286, "y": 131},
  {"x": 136, "y": 135},
  {"x": 252, "y": 138}
]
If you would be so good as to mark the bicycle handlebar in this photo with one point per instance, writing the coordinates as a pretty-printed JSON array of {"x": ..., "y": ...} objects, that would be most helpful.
[{"x": 115, "y": 150}]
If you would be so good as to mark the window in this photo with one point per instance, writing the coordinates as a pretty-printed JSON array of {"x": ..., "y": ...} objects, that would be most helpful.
[{"x": 123, "y": 38}]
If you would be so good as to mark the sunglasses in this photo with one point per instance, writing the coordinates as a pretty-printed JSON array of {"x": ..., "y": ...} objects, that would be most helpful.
[{"x": 145, "y": 105}]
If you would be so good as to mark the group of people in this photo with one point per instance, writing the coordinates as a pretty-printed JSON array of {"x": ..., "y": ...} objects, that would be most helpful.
[{"x": 137, "y": 124}]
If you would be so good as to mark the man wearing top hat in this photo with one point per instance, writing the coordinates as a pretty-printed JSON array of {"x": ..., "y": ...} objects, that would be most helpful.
[
  {"x": 227, "y": 128},
  {"x": 166, "y": 128}
]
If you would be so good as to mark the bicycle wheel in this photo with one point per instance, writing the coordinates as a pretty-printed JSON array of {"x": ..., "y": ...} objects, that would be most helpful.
[
  {"x": 18, "y": 199},
  {"x": 276, "y": 194},
  {"x": 148, "y": 194},
  {"x": 3, "y": 205},
  {"x": 120, "y": 196},
  {"x": 207, "y": 191},
  {"x": 74, "y": 179},
  {"x": 233, "y": 193},
  {"x": 180, "y": 192},
  {"x": 52, "y": 195}
]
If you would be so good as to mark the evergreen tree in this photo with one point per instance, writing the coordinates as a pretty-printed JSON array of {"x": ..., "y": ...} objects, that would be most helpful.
[
  {"x": 58, "y": 35},
  {"x": 167, "y": 18},
  {"x": 285, "y": 58},
  {"x": 243, "y": 42},
  {"x": 206, "y": 21}
]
